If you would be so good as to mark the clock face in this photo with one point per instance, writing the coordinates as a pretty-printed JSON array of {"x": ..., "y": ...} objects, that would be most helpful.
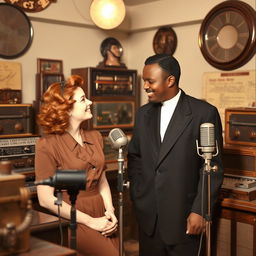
[
  {"x": 165, "y": 41},
  {"x": 227, "y": 35},
  {"x": 31, "y": 5},
  {"x": 17, "y": 35}
]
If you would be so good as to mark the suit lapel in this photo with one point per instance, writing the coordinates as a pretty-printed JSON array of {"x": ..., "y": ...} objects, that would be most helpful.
[
  {"x": 152, "y": 128},
  {"x": 178, "y": 123}
]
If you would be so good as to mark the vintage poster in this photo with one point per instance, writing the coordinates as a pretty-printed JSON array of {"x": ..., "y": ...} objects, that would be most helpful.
[
  {"x": 230, "y": 89},
  {"x": 10, "y": 75}
]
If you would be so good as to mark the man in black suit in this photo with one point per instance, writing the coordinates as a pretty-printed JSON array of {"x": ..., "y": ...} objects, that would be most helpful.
[{"x": 164, "y": 168}]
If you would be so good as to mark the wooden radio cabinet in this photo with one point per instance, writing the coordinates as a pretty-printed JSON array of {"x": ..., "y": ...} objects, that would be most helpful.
[{"x": 240, "y": 126}]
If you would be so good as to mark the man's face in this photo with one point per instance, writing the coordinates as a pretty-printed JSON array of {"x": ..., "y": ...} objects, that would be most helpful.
[
  {"x": 156, "y": 83},
  {"x": 117, "y": 51}
]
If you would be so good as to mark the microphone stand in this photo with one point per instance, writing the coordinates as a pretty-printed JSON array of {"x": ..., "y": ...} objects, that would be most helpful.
[
  {"x": 120, "y": 189},
  {"x": 72, "y": 197},
  {"x": 207, "y": 169},
  {"x": 207, "y": 172},
  {"x": 73, "y": 225}
]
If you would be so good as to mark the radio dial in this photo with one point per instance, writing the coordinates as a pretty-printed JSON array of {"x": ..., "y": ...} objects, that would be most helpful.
[{"x": 19, "y": 164}]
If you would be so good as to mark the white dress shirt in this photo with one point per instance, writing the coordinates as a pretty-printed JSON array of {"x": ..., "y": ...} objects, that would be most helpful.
[{"x": 167, "y": 110}]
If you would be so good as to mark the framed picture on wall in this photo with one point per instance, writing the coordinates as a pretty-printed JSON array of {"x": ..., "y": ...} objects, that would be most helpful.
[
  {"x": 49, "y": 66},
  {"x": 112, "y": 114},
  {"x": 44, "y": 81}
]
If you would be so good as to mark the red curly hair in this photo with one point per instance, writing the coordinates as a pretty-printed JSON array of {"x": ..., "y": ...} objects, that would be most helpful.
[{"x": 57, "y": 102}]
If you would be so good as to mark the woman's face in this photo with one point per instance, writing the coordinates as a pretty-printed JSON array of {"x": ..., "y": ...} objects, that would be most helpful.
[{"x": 81, "y": 108}]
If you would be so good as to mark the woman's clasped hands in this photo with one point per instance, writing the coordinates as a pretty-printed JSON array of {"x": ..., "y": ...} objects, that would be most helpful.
[{"x": 106, "y": 225}]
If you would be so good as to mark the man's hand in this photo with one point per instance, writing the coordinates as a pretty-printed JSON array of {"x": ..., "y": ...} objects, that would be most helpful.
[{"x": 195, "y": 224}]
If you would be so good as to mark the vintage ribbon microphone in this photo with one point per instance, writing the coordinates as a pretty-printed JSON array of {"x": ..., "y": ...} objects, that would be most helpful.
[
  {"x": 72, "y": 181},
  {"x": 118, "y": 141}
]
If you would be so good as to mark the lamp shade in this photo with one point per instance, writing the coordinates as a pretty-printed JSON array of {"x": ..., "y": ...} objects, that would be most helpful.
[{"x": 107, "y": 14}]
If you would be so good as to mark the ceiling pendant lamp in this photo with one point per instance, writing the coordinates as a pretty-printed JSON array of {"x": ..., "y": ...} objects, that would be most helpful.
[{"x": 107, "y": 14}]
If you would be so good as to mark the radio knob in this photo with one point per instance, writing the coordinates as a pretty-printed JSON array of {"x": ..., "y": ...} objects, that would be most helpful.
[
  {"x": 237, "y": 133},
  {"x": 27, "y": 149},
  {"x": 18, "y": 127},
  {"x": 253, "y": 134}
]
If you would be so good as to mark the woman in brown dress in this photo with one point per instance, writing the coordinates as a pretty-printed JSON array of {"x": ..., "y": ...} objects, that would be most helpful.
[{"x": 66, "y": 146}]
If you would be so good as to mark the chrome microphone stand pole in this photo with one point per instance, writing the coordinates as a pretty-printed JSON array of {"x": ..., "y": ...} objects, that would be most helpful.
[
  {"x": 120, "y": 189},
  {"x": 207, "y": 171},
  {"x": 119, "y": 141}
]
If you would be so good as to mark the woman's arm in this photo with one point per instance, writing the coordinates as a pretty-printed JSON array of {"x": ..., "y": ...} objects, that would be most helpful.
[
  {"x": 46, "y": 199},
  {"x": 106, "y": 193},
  {"x": 107, "y": 199}
]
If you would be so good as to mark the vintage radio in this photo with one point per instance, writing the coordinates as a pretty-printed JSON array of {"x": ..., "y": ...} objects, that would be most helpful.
[
  {"x": 16, "y": 120},
  {"x": 240, "y": 126},
  {"x": 21, "y": 153},
  {"x": 239, "y": 160},
  {"x": 8, "y": 96}
]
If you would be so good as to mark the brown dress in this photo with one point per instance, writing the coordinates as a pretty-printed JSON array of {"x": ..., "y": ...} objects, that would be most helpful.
[{"x": 63, "y": 152}]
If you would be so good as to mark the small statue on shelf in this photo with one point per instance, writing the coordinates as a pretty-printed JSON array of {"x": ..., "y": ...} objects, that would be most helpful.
[{"x": 111, "y": 50}]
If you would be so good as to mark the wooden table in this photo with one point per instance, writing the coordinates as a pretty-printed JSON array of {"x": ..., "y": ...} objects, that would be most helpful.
[{"x": 40, "y": 247}]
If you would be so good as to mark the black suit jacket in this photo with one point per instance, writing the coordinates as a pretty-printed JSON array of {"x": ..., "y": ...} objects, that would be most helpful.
[{"x": 166, "y": 178}]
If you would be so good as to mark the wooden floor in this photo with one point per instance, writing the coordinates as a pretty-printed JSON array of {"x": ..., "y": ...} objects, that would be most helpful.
[{"x": 131, "y": 248}]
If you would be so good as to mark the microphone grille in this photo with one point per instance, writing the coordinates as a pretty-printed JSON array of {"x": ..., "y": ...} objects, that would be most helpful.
[
  {"x": 116, "y": 134},
  {"x": 207, "y": 135},
  {"x": 117, "y": 138}
]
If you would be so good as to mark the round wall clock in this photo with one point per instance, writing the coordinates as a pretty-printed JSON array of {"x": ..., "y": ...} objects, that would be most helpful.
[
  {"x": 16, "y": 34},
  {"x": 227, "y": 36},
  {"x": 31, "y": 5},
  {"x": 165, "y": 41}
]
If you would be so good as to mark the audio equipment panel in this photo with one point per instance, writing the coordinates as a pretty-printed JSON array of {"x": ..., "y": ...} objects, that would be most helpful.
[
  {"x": 239, "y": 172},
  {"x": 20, "y": 151},
  {"x": 239, "y": 187}
]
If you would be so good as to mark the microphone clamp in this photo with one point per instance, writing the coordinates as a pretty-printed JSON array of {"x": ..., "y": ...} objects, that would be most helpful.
[{"x": 205, "y": 153}]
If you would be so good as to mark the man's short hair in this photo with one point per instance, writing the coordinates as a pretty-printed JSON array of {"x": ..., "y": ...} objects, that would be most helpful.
[
  {"x": 106, "y": 45},
  {"x": 168, "y": 63}
]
